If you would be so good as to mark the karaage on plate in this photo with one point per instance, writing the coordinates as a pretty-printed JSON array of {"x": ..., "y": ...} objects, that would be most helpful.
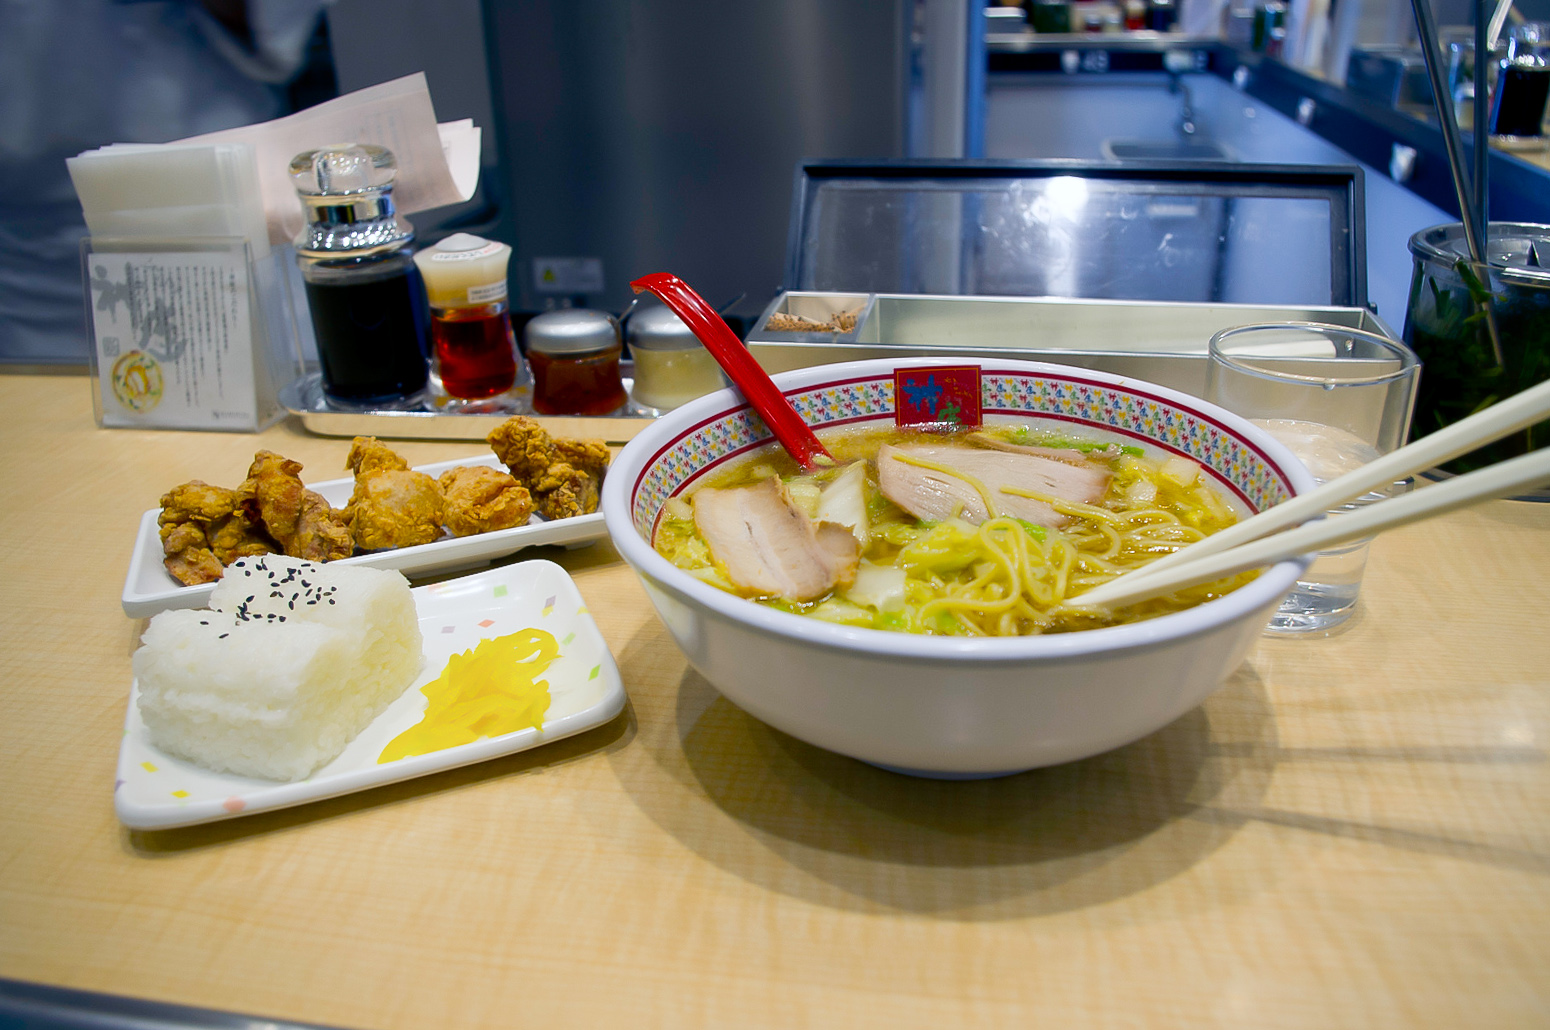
[
  {"x": 480, "y": 499},
  {"x": 202, "y": 530},
  {"x": 523, "y": 446},
  {"x": 565, "y": 476},
  {"x": 392, "y": 505},
  {"x": 368, "y": 454},
  {"x": 299, "y": 520}
]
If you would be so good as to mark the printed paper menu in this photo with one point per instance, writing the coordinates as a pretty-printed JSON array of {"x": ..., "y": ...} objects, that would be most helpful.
[{"x": 174, "y": 339}]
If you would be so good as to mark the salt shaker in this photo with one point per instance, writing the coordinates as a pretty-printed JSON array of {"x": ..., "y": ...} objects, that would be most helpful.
[
  {"x": 363, "y": 292},
  {"x": 575, "y": 358}
]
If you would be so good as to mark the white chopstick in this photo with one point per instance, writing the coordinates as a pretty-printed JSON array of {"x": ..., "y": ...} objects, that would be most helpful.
[
  {"x": 1508, "y": 477},
  {"x": 1493, "y": 423}
]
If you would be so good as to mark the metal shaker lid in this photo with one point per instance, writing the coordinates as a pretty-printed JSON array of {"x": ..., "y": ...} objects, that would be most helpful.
[
  {"x": 1518, "y": 252},
  {"x": 346, "y": 190},
  {"x": 571, "y": 332},
  {"x": 658, "y": 328}
]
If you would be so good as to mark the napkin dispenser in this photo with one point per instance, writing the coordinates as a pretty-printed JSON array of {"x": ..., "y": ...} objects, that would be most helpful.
[{"x": 187, "y": 303}]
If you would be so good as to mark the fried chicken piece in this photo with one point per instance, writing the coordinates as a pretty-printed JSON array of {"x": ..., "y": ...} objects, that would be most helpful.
[
  {"x": 299, "y": 520},
  {"x": 589, "y": 456},
  {"x": 392, "y": 505},
  {"x": 572, "y": 485},
  {"x": 480, "y": 499},
  {"x": 188, "y": 556},
  {"x": 368, "y": 454},
  {"x": 565, "y": 476},
  {"x": 196, "y": 501},
  {"x": 235, "y": 537},
  {"x": 203, "y": 529},
  {"x": 523, "y": 446},
  {"x": 321, "y": 532},
  {"x": 394, "y": 508},
  {"x": 564, "y": 491}
]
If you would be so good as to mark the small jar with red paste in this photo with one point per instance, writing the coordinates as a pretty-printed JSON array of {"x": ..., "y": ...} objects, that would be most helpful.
[{"x": 574, "y": 354}]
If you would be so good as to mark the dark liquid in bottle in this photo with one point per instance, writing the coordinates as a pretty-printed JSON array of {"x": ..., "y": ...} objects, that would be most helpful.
[
  {"x": 475, "y": 350},
  {"x": 576, "y": 385},
  {"x": 370, "y": 332},
  {"x": 1520, "y": 101}
]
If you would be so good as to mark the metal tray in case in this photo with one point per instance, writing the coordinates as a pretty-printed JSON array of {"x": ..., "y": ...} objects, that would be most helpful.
[{"x": 1161, "y": 342}]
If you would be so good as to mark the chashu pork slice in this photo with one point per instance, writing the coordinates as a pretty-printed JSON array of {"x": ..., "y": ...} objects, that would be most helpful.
[
  {"x": 769, "y": 547},
  {"x": 933, "y": 496}
]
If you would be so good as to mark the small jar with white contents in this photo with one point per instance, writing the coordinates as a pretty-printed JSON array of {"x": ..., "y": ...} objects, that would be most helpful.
[{"x": 672, "y": 367}]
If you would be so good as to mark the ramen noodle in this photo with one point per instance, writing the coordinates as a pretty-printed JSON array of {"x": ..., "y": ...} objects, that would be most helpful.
[{"x": 994, "y": 532}]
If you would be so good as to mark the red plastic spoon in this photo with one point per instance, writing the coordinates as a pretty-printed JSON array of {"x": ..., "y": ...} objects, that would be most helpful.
[{"x": 762, "y": 394}]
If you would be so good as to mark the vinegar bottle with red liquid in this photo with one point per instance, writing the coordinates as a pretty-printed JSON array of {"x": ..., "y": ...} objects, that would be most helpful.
[{"x": 475, "y": 364}]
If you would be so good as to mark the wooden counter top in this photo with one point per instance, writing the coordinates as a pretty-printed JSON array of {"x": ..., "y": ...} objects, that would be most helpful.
[{"x": 1353, "y": 832}]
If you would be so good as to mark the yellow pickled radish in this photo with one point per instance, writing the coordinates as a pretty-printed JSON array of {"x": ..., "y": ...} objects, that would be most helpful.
[{"x": 488, "y": 691}]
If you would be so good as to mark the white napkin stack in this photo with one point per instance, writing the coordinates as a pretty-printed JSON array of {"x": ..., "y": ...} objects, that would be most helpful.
[
  {"x": 172, "y": 191},
  {"x": 235, "y": 182}
]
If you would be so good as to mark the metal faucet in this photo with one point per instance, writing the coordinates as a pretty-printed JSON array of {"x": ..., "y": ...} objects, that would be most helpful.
[{"x": 1176, "y": 84}]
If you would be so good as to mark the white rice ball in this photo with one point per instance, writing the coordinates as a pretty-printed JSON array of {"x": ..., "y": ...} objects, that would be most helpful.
[{"x": 293, "y": 662}]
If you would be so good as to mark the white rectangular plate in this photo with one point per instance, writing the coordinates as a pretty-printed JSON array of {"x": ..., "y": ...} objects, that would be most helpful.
[
  {"x": 156, "y": 791},
  {"x": 149, "y": 588}
]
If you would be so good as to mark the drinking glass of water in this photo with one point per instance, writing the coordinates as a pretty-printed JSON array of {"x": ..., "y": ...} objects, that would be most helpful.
[{"x": 1337, "y": 397}]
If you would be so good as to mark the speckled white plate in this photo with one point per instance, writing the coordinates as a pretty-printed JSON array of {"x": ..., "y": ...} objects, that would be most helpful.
[
  {"x": 149, "y": 588},
  {"x": 157, "y": 791}
]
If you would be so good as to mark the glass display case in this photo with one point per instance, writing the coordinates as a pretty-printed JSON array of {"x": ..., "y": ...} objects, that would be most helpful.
[{"x": 1129, "y": 268}]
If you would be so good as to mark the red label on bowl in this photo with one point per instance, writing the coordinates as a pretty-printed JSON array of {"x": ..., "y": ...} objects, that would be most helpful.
[{"x": 942, "y": 395}]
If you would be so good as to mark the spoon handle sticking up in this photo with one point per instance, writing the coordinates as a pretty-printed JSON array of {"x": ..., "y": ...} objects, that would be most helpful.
[{"x": 762, "y": 394}]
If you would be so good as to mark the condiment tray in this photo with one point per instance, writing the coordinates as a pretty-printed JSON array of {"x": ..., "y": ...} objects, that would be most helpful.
[
  {"x": 157, "y": 791},
  {"x": 305, "y": 400},
  {"x": 150, "y": 588}
]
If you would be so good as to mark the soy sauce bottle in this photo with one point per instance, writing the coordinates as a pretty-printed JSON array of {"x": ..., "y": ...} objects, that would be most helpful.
[{"x": 363, "y": 290}]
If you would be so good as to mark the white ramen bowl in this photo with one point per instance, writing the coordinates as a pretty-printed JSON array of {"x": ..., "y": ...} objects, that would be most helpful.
[{"x": 951, "y": 706}]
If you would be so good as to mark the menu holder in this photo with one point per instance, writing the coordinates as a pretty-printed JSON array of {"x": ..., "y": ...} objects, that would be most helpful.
[{"x": 187, "y": 332}]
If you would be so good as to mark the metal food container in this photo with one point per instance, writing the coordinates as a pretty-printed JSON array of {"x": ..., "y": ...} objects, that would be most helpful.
[{"x": 1127, "y": 268}]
